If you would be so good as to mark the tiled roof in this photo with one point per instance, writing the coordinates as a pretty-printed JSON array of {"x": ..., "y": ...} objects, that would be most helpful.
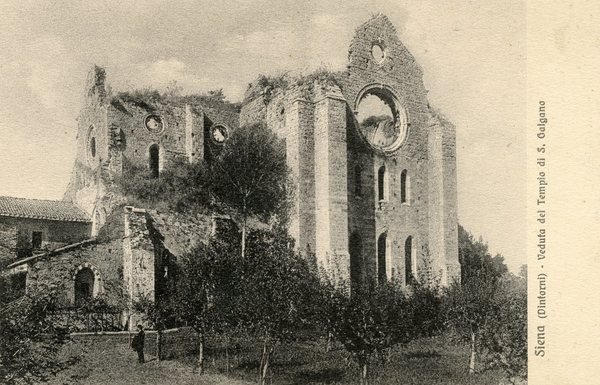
[{"x": 41, "y": 209}]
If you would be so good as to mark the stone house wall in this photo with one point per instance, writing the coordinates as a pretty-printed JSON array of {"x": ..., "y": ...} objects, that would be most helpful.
[
  {"x": 54, "y": 233},
  {"x": 8, "y": 242},
  {"x": 59, "y": 270}
]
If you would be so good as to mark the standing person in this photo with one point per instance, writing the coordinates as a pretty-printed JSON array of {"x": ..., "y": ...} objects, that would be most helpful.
[{"x": 138, "y": 344}]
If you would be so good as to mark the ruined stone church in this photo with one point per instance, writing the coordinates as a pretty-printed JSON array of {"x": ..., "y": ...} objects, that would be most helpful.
[{"x": 374, "y": 167}]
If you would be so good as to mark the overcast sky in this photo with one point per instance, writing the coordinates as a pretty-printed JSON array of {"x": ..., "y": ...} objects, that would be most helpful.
[{"x": 472, "y": 54}]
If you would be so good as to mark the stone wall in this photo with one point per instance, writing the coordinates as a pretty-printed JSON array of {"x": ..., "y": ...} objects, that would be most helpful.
[
  {"x": 83, "y": 188},
  {"x": 304, "y": 115},
  {"x": 8, "y": 243},
  {"x": 180, "y": 342},
  {"x": 54, "y": 233},
  {"x": 112, "y": 134},
  {"x": 59, "y": 270},
  {"x": 182, "y": 136}
]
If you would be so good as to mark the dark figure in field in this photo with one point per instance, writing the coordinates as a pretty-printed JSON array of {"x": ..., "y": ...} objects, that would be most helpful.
[{"x": 138, "y": 344}]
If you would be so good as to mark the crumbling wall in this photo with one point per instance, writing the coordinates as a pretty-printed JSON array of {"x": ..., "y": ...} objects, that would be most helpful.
[
  {"x": 179, "y": 125},
  {"x": 92, "y": 144}
]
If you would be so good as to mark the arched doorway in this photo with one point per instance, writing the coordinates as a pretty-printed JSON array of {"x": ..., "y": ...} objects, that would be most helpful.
[
  {"x": 154, "y": 160},
  {"x": 381, "y": 258},
  {"x": 356, "y": 260},
  {"x": 84, "y": 285}
]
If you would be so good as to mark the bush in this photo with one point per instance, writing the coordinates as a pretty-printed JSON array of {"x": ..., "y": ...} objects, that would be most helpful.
[
  {"x": 28, "y": 340},
  {"x": 181, "y": 187}
]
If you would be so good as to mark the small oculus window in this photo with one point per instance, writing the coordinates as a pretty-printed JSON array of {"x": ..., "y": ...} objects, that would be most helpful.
[
  {"x": 219, "y": 134},
  {"x": 154, "y": 123},
  {"x": 378, "y": 53}
]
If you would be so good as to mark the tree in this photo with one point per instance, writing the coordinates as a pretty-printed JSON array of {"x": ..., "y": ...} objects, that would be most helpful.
[
  {"x": 29, "y": 340},
  {"x": 488, "y": 307},
  {"x": 194, "y": 293},
  {"x": 469, "y": 308},
  {"x": 376, "y": 317},
  {"x": 504, "y": 339},
  {"x": 277, "y": 293},
  {"x": 475, "y": 257},
  {"x": 250, "y": 176}
]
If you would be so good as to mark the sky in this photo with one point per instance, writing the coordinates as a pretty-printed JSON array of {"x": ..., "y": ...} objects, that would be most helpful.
[{"x": 472, "y": 53}]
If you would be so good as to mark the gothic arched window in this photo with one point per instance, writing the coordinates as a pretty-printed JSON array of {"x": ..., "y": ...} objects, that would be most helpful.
[
  {"x": 404, "y": 187},
  {"x": 154, "y": 160},
  {"x": 358, "y": 180},
  {"x": 382, "y": 258},
  {"x": 381, "y": 184},
  {"x": 408, "y": 261}
]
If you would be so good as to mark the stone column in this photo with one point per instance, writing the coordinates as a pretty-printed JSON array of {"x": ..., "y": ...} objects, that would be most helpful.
[
  {"x": 300, "y": 159},
  {"x": 331, "y": 185},
  {"x": 443, "y": 231},
  {"x": 138, "y": 260}
]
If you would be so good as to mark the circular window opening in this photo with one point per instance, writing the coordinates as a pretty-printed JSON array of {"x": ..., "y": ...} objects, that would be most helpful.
[
  {"x": 218, "y": 134},
  {"x": 381, "y": 120},
  {"x": 378, "y": 53},
  {"x": 93, "y": 147},
  {"x": 154, "y": 123}
]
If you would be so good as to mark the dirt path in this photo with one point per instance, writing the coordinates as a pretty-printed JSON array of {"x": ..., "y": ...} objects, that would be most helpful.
[{"x": 106, "y": 363}]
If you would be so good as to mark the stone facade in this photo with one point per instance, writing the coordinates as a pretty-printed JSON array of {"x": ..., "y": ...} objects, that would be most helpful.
[
  {"x": 142, "y": 130},
  {"x": 375, "y": 195},
  {"x": 356, "y": 224}
]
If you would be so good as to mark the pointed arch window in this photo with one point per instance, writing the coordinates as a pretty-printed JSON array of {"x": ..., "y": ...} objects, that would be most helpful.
[
  {"x": 358, "y": 181},
  {"x": 382, "y": 258},
  {"x": 381, "y": 184},
  {"x": 409, "y": 261},
  {"x": 404, "y": 187},
  {"x": 154, "y": 160}
]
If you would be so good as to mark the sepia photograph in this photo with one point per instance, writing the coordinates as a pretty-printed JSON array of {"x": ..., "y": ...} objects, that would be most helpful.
[{"x": 271, "y": 192}]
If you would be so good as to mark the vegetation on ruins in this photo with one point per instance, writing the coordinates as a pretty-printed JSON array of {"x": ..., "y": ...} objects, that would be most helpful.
[
  {"x": 250, "y": 177},
  {"x": 149, "y": 98},
  {"x": 182, "y": 187}
]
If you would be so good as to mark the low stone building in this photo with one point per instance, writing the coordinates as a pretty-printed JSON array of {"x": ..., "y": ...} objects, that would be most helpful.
[
  {"x": 31, "y": 225},
  {"x": 128, "y": 259}
]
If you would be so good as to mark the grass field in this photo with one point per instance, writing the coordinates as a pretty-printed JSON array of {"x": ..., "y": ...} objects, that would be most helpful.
[{"x": 427, "y": 361}]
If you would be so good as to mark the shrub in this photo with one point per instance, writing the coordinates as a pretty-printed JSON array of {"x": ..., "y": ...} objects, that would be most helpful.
[{"x": 28, "y": 340}]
